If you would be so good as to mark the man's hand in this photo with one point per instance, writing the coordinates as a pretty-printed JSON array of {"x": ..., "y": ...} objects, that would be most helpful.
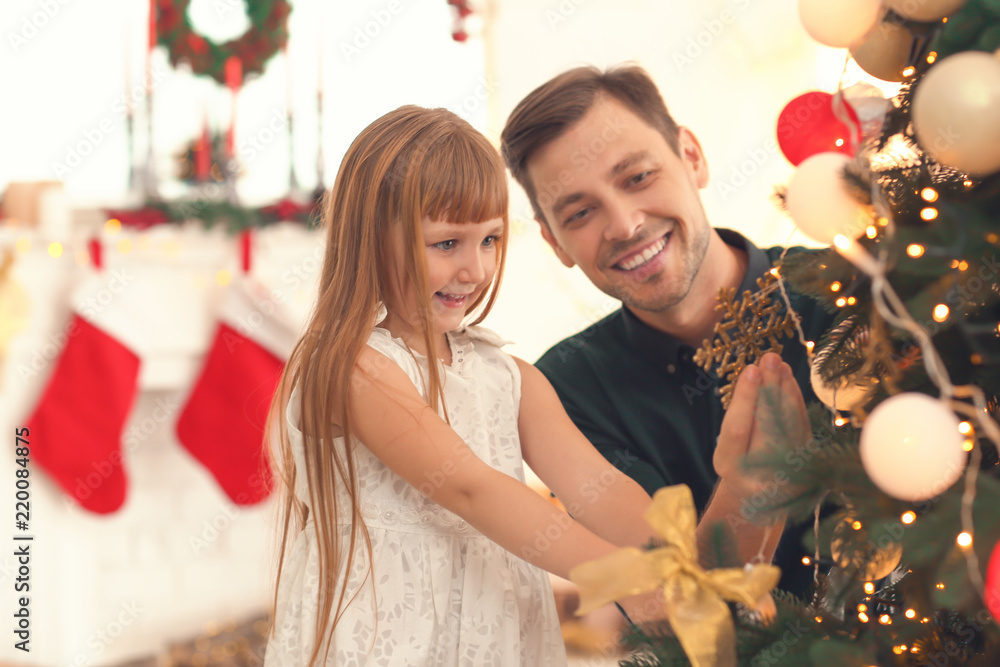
[{"x": 766, "y": 400}]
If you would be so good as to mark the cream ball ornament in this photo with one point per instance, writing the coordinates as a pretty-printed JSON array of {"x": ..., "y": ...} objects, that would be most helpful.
[
  {"x": 867, "y": 560},
  {"x": 885, "y": 51},
  {"x": 819, "y": 202},
  {"x": 844, "y": 394},
  {"x": 924, "y": 10},
  {"x": 838, "y": 24},
  {"x": 956, "y": 112},
  {"x": 911, "y": 447}
]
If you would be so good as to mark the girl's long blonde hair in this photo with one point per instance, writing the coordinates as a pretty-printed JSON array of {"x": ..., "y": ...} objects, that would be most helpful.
[{"x": 410, "y": 164}]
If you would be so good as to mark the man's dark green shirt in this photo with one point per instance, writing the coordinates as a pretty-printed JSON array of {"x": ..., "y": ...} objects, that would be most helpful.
[{"x": 638, "y": 396}]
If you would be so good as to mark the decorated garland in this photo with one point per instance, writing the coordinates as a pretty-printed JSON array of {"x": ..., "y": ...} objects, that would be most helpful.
[{"x": 268, "y": 32}]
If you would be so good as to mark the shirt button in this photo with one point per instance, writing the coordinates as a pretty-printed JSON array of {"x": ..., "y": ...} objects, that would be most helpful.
[{"x": 671, "y": 368}]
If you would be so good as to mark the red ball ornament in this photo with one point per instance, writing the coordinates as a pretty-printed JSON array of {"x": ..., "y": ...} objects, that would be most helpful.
[
  {"x": 459, "y": 35},
  {"x": 808, "y": 125},
  {"x": 992, "y": 592}
]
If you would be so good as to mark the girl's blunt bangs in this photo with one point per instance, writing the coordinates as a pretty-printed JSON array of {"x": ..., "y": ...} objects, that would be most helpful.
[{"x": 462, "y": 179}]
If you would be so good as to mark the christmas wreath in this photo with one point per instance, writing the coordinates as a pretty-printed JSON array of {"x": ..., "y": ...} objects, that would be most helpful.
[{"x": 268, "y": 32}]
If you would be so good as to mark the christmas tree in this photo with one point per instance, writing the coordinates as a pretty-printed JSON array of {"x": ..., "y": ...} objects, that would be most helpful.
[{"x": 900, "y": 477}]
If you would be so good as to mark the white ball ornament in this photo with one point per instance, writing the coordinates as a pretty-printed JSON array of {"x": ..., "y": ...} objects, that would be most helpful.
[
  {"x": 838, "y": 24},
  {"x": 956, "y": 112},
  {"x": 911, "y": 447},
  {"x": 924, "y": 10},
  {"x": 819, "y": 202}
]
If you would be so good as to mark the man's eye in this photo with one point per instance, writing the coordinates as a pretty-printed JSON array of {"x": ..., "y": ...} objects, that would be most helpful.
[
  {"x": 445, "y": 245},
  {"x": 639, "y": 178},
  {"x": 578, "y": 215}
]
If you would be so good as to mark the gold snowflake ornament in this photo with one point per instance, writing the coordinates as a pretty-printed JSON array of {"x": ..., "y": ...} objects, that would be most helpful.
[{"x": 746, "y": 328}]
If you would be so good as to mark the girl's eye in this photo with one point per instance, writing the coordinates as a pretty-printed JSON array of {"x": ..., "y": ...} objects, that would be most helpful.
[
  {"x": 491, "y": 240},
  {"x": 445, "y": 245}
]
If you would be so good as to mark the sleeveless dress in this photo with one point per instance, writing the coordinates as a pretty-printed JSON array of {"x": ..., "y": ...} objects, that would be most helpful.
[{"x": 440, "y": 594}]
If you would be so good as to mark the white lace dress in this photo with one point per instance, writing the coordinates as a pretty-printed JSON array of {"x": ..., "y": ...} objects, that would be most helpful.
[{"x": 442, "y": 593}]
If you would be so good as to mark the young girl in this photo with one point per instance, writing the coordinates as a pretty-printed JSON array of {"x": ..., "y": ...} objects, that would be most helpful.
[{"x": 409, "y": 536}]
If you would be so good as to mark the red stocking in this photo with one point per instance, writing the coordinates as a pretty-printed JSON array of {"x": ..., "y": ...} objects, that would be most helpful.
[
  {"x": 222, "y": 424},
  {"x": 76, "y": 427}
]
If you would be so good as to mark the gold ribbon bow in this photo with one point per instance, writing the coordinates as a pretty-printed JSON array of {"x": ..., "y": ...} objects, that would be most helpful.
[{"x": 694, "y": 596}]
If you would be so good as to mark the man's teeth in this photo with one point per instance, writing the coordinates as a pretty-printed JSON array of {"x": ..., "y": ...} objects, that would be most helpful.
[{"x": 639, "y": 260}]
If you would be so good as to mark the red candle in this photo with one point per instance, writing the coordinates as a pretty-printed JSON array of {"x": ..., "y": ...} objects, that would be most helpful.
[
  {"x": 152, "y": 24},
  {"x": 234, "y": 79}
]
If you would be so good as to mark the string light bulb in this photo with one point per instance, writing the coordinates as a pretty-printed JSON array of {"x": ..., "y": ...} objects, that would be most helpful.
[
  {"x": 910, "y": 613},
  {"x": 964, "y": 540},
  {"x": 869, "y": 587},
  {"x": 871, "y": 232},
  {"x": 929, "y": 213},
  {"x": 929, "y": 194},
  {"x": 965, "y": 428},
  {"x": 863, "y": 617},
  {"x": 915, "y": 250},
  {"x": 931, "y": 57},
  {"x": 55, "y": 249},
  {"x": 908, "y": 71},
  {"x": 885, "y": 619},
  {"x": 113, "y": 226},
  {"x": 908, "y": 517},
  {"x": 841, "y": 302},
  {"x": 940, "y": 313},
  {"x": 835, "y": 287}
]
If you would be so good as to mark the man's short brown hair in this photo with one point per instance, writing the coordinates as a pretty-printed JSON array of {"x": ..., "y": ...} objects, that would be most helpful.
[{"x": 552, "y": 108}]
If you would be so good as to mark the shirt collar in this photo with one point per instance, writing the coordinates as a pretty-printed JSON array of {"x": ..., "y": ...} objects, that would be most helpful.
[{"x": 667, "y": 350}]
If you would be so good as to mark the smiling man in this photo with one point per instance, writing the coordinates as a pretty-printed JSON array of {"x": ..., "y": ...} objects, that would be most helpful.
[{"x": 614, "y": 183}]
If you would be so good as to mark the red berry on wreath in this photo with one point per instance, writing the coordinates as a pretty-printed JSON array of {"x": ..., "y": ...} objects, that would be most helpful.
[{"x": 459, "y": 35}]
